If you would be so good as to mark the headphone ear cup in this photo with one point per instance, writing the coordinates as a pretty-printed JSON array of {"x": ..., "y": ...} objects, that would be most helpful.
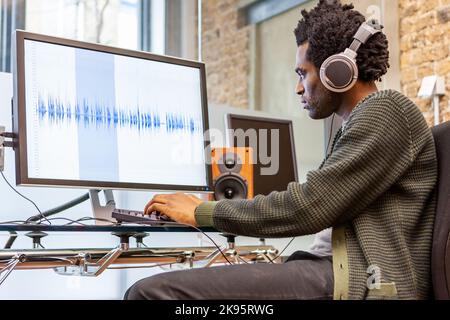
[{"x": 339, "y": 73}]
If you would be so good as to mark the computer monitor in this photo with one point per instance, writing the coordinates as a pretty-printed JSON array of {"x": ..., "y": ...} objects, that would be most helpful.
[
  {"x": 264, "y": 184},
  {"x": 93, "y": 116}
]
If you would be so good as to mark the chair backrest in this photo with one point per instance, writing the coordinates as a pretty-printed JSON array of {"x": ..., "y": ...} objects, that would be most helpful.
[{"x": 440, "y": 255}]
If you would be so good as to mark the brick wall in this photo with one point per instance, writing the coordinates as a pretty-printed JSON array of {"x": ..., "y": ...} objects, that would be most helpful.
[
  {"x": 425, "y": 49},
  {"x": 226, "y": 53}
]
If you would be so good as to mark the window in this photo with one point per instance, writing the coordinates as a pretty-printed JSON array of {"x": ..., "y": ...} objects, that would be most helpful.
[
  {"x": 159, "y": 26},
  {"x": 110, "y": 22}
]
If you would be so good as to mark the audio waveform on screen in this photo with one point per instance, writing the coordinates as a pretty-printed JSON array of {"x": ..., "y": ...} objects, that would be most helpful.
[{"x": 87, "y": 114}]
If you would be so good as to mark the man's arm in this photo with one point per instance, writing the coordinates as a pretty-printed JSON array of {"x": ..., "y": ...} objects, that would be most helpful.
[{"x": 370, "y": 156}]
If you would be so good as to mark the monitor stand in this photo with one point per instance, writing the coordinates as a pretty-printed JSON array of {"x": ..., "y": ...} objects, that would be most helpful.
[{"x": 100, "y": 211}]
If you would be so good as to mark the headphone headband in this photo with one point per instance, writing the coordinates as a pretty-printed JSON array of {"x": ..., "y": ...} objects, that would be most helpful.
[{"x": 364, "y": 33}]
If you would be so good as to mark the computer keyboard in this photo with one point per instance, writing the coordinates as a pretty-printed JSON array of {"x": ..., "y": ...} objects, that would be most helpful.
[{"x": 131, "y": 216}]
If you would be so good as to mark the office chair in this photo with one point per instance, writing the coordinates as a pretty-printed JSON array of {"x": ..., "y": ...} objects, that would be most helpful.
[{"x": 440, "y": 254}]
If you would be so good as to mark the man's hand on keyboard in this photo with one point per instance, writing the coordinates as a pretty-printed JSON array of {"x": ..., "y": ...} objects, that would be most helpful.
[{"x": 179, "y": 207}]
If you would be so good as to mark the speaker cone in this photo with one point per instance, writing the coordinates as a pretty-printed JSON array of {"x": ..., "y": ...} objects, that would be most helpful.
[{"x": 230, "y": 186}]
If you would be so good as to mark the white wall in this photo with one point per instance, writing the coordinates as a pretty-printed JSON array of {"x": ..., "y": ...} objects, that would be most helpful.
[{"x": 45, "y": 284}]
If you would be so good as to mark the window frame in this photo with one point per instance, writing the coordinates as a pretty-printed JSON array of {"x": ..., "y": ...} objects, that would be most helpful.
[{"x": 12, "y": 17}]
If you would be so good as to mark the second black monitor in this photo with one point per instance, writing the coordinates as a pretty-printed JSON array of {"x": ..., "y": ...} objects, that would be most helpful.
[{"x": 269, "y": 146}]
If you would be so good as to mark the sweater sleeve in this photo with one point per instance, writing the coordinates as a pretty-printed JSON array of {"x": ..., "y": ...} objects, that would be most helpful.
[
  {"x": 204, "y": 214},
  {"x": 372, "y": 153}
]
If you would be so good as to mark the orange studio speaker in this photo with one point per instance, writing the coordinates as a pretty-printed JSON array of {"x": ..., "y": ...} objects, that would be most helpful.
[{"x": 232, "y": 170}]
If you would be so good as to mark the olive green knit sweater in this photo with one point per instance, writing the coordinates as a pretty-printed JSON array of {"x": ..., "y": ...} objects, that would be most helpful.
[{"x": 376, "y": 190}]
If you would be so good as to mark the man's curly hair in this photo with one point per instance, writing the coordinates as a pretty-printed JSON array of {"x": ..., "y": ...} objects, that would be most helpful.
[{"x": 329, "y": 29}]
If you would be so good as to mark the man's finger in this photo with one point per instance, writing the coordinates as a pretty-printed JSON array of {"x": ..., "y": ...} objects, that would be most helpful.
[
  {"x": 159, "y": 198},
  {"x": 156, "y": 207}
]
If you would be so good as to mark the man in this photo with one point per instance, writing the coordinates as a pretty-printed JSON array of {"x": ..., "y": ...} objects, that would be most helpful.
[{"x": 375, "y": 190}]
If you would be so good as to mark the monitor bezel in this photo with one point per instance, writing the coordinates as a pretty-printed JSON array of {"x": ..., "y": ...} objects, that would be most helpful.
[
  {"x": 19, "y": 115},
  {"x": 231, "y": 116}
]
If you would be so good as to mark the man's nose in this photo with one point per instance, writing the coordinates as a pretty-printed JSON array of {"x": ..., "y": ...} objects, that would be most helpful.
[{"x": 299, "y": 89}]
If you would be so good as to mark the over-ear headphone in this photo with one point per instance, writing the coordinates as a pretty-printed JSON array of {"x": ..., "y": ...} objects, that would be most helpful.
[{"x": 339, "y": 72}]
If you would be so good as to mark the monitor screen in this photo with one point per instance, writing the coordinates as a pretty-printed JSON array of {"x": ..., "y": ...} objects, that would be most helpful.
[
  {"x": 96, "y": 116},
  {"x": 275, "y": 153}
]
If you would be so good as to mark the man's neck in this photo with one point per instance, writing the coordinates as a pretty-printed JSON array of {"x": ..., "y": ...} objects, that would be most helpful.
[{"x": 353, "y": 96}]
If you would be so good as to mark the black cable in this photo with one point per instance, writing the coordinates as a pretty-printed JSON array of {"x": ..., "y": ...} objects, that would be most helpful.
[
  {"x": 19, "y": 222},
  {"x": 97, "y": 219},
  {"x": 279, "y": 255},
  {"x": 65, "y": 219},
  {"x": 215, "y": 244},
  {"x": 94, "y": 219},
  {"x": 331, "y": 132},
  {"x": 168, "y": 222},
  {"x": 199, "y": 230},
  {"x": 60, "y": 208},
  {"x": 271, "y": 261},
  {"x": 34, "y": 204},
  {"x": 79, "y": 221},
  {"x": 165, "y": 222},
  {"x": 141, "y": 223},
  {"x": 12, "y": 238}
]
